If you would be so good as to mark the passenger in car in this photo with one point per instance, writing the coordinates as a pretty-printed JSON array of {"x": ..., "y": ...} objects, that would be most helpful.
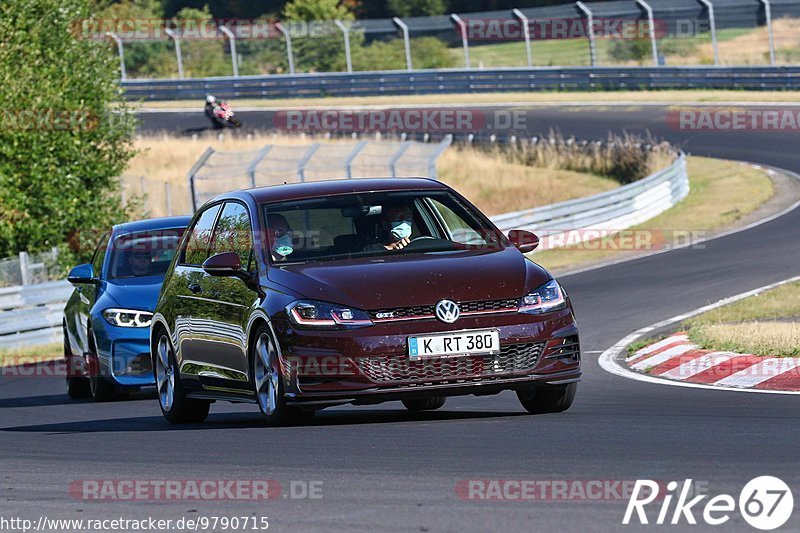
[{"x": 280, "y": 237}]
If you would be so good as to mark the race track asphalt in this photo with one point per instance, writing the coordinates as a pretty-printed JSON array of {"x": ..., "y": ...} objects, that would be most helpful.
[{"x": 384, "y": 470}]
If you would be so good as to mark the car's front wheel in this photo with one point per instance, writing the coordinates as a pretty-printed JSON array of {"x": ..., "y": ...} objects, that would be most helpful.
[
  {"x": 175, "y": 406},
  {"x": 77, "y": 385},
  {"x": 548, "y": 399},
  {"x": 101, "y": 388},
  {"x": 424, "y": 404},
  {"x": 266, "y": 372}
]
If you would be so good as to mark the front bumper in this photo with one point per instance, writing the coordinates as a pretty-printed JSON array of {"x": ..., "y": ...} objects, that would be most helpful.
[
  {"x": 371, "y": 364},
  {"x": 124, "y": 355}
]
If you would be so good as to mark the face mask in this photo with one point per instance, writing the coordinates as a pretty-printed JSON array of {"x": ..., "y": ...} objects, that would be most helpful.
[
  {"x": 283, "y": 246},
  {"x": 401, "y": 229}
]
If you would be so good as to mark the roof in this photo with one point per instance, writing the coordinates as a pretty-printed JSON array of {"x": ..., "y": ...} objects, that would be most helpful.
[
  {"x": 153, "y": 224},
  {"x": 315, "y": 189}
]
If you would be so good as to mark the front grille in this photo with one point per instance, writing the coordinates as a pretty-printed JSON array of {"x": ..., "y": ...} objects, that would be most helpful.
[
  {"x": 391, "y": 368},
  {"x": 428, "y": 310}
]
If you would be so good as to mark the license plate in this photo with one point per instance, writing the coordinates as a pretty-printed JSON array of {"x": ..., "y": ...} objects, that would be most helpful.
[{"x": 454, "y": 344}]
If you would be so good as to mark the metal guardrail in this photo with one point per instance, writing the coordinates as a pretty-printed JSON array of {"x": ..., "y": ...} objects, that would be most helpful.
[
  {"x": 467, "y": 81},
  {"x": 613, "y": 210},
  {"x": 32, "y": 313}
]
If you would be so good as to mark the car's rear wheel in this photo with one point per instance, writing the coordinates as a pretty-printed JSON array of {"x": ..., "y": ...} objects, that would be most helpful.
[
  {"x": 548, "y": 399},
  {"x": 77, "y": 386},
  {"x": 269, "y": 390},
  {"x": 424, "y": 404},
  {"x": 175, "y": 406}
]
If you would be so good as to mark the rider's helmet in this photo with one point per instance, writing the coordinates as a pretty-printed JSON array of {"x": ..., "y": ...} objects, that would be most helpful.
[{"x": 210, "y": 99}]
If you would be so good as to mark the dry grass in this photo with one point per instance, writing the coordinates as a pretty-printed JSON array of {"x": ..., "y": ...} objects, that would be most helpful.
[
  {"x": 495, "y": 184},
  {"x": 31, "y": 354},
  {"x": 721, "y": 193},
  {"x": 767, "y": 324},
  {"x": 777, "y": 339}
]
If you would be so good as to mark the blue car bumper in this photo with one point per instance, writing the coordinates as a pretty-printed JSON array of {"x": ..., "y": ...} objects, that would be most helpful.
[{"x": 125, "y": 355}]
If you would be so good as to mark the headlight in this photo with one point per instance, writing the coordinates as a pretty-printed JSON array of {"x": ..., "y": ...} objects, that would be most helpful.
[
  {"x": 322, "y": 315},
  {"x": 128, "y": 318},
  {"x": 548, "y": 297}
]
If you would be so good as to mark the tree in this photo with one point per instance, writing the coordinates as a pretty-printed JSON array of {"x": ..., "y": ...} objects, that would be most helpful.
[
  {"x": 416, "y": 8},
  {"x": 61, "y": 149},
  {"x": 322, "y": 48}
]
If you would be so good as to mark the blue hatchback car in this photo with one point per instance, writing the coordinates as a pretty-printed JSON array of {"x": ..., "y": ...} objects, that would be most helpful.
[{"x": 107, "y": 317}]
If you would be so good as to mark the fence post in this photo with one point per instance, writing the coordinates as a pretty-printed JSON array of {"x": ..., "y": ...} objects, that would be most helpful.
[
  {"x": 652, "y": 24},
  {"x": 400, "y": 24},
  {"x": 348, "y": 162},
  {"x": 447, "y": 141},
  {"x": 526, "y": 32},
  {"x": 232, "y": 41},
  {"x": 590, "y": 24},
  {"x": 464, "y": 38},
  {"x": 23, "y": 268},
  {"x": 396, "y": 157},
  {"x": 301, "y": 164},
  {"x": 177, "y": 40},
  {"x": 168, "y": 198},
  {"x": 121, "y": 51},
  {"x": 346, "y": 34},
  {"x": 768, "y": 13},
  {"x": 281, "y": 28},
  {"x": 712, "y": 21},
  {"x": 195, "y": 168},
  {"x": 251, "y": 168}
]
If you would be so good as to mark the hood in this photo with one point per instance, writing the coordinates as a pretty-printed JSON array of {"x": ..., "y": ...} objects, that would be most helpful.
[
  {"x": 135, "y": 293},
  {"x": 414, "y": 279}
]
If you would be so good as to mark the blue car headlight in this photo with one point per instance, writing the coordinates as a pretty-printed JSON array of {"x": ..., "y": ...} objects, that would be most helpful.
[
  {"x": 323, "y": 315},
  {"x": 548, "y": 297},
  {"x": 128, "y": 318}
]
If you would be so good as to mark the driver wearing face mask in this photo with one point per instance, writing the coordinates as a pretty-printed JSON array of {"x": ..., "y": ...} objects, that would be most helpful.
[
  {"x": 395, "y": 228},
  {"x": 280, "y": 237}
]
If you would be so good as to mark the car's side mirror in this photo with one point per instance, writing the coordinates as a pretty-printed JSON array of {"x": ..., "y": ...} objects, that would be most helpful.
[
  {"x": 224, "y": 264},
  {"x": 525, "y": 241},
  {"x": 81, "y": 274}
]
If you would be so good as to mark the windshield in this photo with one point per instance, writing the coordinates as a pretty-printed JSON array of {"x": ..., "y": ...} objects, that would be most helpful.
[
  {"x": 374, "y": 224},
  {"x": 144, "y": 253}
]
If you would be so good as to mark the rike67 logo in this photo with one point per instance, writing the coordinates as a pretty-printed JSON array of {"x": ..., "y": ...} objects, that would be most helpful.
[{"x": 766, "y": 503}]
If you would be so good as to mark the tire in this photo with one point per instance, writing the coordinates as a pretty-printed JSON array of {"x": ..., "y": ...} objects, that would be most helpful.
[
  {"x": 268, "y": 385},
  {"x": 100, "y": 387},
  {"x": 548, "y": 399},
  {"x": 424, "y": 404},
  {"x": 175, "y": 406},
  {"x": 77, "y": 386}
]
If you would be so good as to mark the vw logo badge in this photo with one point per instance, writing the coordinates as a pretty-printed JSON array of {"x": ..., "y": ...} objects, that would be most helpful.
[{"x": 447, "y": 311}]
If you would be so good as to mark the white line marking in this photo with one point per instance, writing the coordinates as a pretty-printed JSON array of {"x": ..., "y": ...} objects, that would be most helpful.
[
  {"x": 759, "y": 372},
  {"x": 608, "y": 360},
  {"x": 664, "y": 356},
  {"x": 695, "y": 366}
]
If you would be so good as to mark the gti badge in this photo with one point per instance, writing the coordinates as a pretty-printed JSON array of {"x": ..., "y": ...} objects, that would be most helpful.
[{"x": 447, "y": 311}]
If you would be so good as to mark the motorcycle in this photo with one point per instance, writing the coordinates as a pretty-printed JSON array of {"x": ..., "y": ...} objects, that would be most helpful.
[{"x": 222, "y": 116}]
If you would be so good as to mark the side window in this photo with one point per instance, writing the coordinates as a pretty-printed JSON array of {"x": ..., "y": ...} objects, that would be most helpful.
[
  {"x": 100, "y": 255},
  {"x": 233, "y": 233},
  {"x": 197, "y": 245},
  {"x": 458, "y": 229}
]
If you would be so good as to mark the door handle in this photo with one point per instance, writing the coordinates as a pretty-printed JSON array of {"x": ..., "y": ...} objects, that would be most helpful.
[{"x": 195, "y": 288}]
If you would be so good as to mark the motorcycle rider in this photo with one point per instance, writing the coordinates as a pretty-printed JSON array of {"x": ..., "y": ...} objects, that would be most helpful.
[{"x": 212, "y": 109}]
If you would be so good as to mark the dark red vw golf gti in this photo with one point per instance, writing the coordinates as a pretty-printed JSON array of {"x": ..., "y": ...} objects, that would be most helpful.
[{"x": 299, "y": 297}]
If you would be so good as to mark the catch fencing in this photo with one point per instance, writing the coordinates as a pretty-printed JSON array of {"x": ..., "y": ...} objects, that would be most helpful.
[
  {"x": 611, "y": 33},
  {"x": 216, "y": 172}
]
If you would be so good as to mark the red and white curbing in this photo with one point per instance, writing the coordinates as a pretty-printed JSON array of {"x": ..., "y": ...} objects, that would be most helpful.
[{"x": 676, "y": 358}]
